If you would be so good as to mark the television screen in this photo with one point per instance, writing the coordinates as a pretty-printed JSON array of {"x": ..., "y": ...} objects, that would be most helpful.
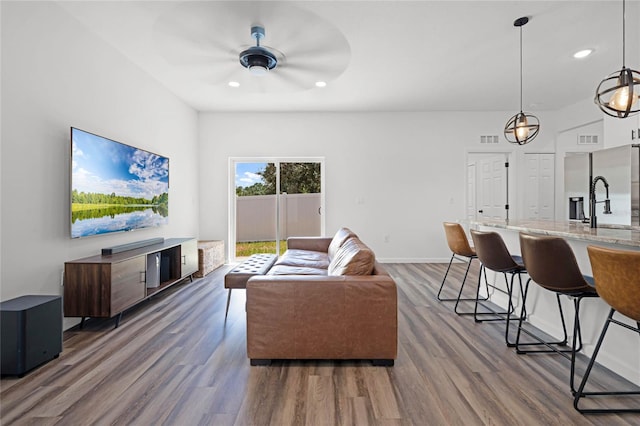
[{"x": 115, "y": 187}]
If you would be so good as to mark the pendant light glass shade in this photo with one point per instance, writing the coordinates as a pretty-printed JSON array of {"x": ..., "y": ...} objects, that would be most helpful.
[
  {"x": 619, "y": 93},
  {"x": 522, "y": 128}
]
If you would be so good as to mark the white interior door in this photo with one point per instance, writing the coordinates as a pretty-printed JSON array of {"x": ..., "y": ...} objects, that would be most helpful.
[
  {"x": 491, "y": 188},
  {"x": 472, "y": 208},
  {"x": 531, "y": 186},
  {"x": 547, "y": 186},
  {"x": 539, "y": 195}
]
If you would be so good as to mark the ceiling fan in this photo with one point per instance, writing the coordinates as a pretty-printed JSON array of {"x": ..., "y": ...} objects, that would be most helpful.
[{"x": 309, "y": 48}]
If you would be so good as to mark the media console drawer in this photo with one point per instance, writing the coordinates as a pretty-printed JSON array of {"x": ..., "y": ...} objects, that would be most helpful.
[{"x": 128, "y": 283}]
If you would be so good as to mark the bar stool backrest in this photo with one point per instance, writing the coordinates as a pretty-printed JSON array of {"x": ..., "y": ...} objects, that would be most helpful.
[
  {"x": 617, "y": 277},
  {"x": 457, "y": 240},
  {"x": 492, "y": 252},
  {"x": 551, "y": 263}
]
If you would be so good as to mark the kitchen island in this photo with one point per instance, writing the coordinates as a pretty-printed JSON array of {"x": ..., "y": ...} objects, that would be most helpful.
[
  {"x": 625, "y": 237},
  {"x": 621, "y": 349}
]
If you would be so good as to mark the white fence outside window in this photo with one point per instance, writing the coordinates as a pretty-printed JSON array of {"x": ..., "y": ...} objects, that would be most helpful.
[{"x": 255, "y": 216}]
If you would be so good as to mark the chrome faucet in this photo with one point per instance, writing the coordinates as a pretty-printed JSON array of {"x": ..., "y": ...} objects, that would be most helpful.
[{"x": 592, "y": 200}]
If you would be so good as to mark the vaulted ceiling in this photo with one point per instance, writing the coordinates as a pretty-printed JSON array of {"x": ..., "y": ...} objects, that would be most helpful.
[{"x": 373, "y": 55}]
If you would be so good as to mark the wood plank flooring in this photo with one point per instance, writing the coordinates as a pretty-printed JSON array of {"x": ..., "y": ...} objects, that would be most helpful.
[{"x": 174, "y": 361}]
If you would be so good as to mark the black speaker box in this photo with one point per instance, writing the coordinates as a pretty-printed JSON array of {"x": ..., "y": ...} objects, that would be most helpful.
[
  {"x": 165, "y": 268},
  {"x": 30, "y": 333}
]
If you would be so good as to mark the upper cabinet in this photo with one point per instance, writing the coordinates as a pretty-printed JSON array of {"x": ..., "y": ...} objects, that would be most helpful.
[{"x": 618, "y": 132}]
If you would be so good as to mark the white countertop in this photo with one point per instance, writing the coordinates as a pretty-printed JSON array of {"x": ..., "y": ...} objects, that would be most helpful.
[{"x": 573, "y": 230}]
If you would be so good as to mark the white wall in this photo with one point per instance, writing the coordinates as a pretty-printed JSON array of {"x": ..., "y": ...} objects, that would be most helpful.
[
  {"x": 56, "y": 74},
  {"x": 387, "y": 174}
]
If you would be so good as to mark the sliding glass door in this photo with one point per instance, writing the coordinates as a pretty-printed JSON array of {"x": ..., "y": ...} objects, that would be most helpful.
[{"x": 272, "y": 199}]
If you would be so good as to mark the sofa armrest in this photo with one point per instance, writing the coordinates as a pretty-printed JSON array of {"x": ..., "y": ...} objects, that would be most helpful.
[
  {"x": 309, "y": 243},
  {"x": 322, "y": 317}
]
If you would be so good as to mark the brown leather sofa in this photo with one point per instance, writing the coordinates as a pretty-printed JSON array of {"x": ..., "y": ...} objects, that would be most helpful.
[{"x": 325, "y": 298}]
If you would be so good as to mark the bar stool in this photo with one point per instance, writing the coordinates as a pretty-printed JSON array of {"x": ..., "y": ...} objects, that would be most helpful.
[
  {"x": 494, "y": 255},
  {"x": 617, "y": 277},
  {"x": 459, "y": 246},
  {"x": 551, "y": 264}
]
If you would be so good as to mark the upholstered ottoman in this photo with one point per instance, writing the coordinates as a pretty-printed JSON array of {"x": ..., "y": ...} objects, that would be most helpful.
[
  {"x": 210, "y": 256},
  {"x": 256, "y": 264}
]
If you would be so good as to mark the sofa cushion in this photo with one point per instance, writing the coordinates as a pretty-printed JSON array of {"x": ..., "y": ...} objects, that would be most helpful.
[
  {"x": 313, "y": 259},
  {"x": 295, "y": 270},
  {"x": 352, "y": 258},
  {"x": 338, "y": 240}
]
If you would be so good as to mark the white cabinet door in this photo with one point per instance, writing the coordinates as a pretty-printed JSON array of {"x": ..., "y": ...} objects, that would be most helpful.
[{"x": 619, "y": 132}]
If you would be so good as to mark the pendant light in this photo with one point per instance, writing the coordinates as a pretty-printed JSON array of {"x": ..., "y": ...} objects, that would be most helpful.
[
  {"x": 522, "y": 128},
  {"x": 617, "y": 95}
]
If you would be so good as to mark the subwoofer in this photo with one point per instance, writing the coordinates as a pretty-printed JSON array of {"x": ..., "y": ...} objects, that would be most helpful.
[{"x": 30, "y": 333}]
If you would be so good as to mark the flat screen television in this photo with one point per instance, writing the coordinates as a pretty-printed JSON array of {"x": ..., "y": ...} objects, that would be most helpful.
[{"x": 115, "y": 187}]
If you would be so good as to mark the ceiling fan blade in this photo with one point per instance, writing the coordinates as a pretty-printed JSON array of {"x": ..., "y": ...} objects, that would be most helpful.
[
  {"x": 292, "y": 82},
  {"x": 320, "y": 67}
]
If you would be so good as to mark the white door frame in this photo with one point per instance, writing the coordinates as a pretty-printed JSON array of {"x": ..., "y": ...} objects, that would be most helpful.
[{"x": 231, "y": 203}]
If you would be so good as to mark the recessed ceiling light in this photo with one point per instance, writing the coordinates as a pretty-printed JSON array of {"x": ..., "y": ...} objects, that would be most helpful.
[
  {"x": 583, "y": 53},
  {"x": 321, "y": 84},
  {"x": 234, "y": 84}
]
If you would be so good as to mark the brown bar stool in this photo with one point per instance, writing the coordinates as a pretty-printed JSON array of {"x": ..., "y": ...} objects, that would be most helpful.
[
  {"x": 459, "y": 246},
  {"x": 494, "y": 255},
  {"x": 551, "y": 264},
  {"x": 617, "y": 277}
]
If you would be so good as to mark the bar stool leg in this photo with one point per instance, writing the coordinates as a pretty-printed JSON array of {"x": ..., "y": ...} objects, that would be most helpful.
[
  {"x": 576, "y": 343},
  {"x": 580, "y": 392},
  {"x": 473, "y": 299},
  {"x": 444, "y": 279},
  {"x": 510, "y": 308},
  {"x": 459, "y": 298},
  {"x": 464, "y": 279},
  {"x": 550, "y": 344}
]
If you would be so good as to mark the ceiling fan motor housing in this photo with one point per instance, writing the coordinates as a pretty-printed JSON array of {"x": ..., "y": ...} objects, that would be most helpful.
[{"x": 257, "y": 57}]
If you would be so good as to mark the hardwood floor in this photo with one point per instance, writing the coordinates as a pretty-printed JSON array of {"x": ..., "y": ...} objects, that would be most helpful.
[{"x": 174, "y": 361}]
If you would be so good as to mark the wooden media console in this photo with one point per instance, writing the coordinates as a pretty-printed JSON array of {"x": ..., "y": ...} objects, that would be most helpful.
[{"x": 104, "y": 286}]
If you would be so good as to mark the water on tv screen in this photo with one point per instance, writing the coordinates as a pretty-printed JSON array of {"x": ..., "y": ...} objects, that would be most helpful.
[{"x": 115, "y": 187}]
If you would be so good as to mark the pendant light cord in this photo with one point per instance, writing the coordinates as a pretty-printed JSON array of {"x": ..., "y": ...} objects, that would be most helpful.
[
  {"x": 521, "y": 68},
  {"x": 623, "y": 32}
]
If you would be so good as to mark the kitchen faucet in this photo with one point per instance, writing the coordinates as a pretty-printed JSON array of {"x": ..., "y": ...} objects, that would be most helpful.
[{"x": 592, "y": 200}]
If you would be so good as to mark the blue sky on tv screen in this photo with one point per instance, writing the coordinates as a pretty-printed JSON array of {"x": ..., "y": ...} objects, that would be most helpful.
[
  {"x": 100, "y": 165},
  {"x": 246, "y": 173}
]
